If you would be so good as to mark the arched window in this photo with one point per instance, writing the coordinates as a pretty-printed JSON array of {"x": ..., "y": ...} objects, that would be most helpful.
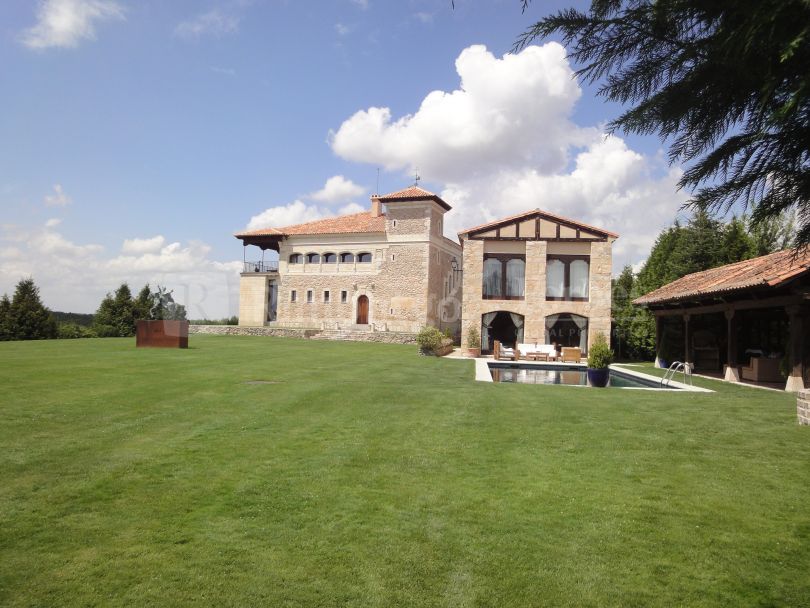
[
  {"x": 296, "y": 258},
  {"x": 313, "y": 258},
  {"x": 346, "y": 258},
  {"x": 364, "y": 258},
  {"x": 329, "y": 258}
]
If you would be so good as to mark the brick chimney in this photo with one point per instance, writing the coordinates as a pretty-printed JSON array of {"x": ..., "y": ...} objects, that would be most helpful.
[{"x": 376, "y": 206}]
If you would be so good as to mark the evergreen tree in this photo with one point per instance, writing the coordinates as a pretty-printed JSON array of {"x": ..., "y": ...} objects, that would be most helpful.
[
  {"x": 725, "y": 83},
  {"x": 144, "y": 303},
  {"x": 27, "y": 317},
  {"x": 116, "y": 314},
  {"x": 772, "y": 234},
  {"x": 5, "y": 320},
  {"x": 737, "y": 244}
]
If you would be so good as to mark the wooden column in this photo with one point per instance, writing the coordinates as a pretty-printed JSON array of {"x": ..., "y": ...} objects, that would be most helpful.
[
  {"x": 732, "y": 370},
  {"x": 659, "y": 322},
  {"x": 795, "y": 381},
  {"x": 687, "y": 338}
]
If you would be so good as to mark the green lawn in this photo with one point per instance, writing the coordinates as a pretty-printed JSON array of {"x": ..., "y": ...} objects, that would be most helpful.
[{"x": 364, "y": 475}]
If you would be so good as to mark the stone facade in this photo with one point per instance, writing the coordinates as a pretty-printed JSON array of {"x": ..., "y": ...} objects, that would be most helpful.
[
  {"x": 405, "y": 283},
  {"x": 803, "y": 407},
  {"x": 534, "y": 307}
]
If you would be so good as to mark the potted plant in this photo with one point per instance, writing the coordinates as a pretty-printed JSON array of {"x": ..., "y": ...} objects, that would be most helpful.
[
  {"x": 473, "y": 342},
  {"x": 599, "y": 359}
]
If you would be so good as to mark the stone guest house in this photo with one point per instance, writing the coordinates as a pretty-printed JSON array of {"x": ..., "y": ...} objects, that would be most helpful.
[{"x": 530, "y": 277}]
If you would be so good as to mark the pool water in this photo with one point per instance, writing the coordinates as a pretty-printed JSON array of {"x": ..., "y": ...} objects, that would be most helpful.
[{"x": 560, "y": 374}]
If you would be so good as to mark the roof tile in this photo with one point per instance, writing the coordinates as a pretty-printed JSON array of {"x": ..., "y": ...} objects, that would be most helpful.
[
  {"x": 766, "y": 271},
  {"x": 342, "y": 224}
]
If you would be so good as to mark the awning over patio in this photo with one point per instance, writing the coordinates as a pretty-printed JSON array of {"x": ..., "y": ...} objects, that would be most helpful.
[{"x": 768, "y": 288}]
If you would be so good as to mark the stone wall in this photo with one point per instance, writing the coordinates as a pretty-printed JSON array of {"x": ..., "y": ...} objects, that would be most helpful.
[
  {"x": 803, "y": 407},
  {"x": 238, "y": 330},
  {"x": 534, "y": 306},
  {"x": 382, "y": 337}
]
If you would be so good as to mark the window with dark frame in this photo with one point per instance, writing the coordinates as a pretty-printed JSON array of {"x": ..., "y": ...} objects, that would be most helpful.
[
  {"x": 296, "y": 258},
  {"x": 344, "y": 296},
  {"x": 504, "y": 277},
  {"x": 346, "y": 258},
  {"x": 326, "y": 297},
  {"x": 568, "y": 278},
  {"x": 329, "y": 258},
  {"x": 313, "y": 258},
  {"x": 364, "y": 258},
  {"x": 309, "y": 296},
  {"x": 293, "y": 296}
]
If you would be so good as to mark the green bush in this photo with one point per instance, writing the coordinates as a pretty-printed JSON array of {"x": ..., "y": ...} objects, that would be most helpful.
[
  {"x": 69, "y": 331},
  {"x": 473, "y": 337},
  {"x": 600, "y": 356},
  {"x": 429, "y": 339}
]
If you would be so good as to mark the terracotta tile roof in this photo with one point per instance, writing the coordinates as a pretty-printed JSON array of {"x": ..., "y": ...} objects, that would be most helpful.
[
  {"x": 413, "y": 193},
  {"x": 342, "y": 224},
  {"x": 546, "y": 214},
  {"x": 766, "y": 271}
]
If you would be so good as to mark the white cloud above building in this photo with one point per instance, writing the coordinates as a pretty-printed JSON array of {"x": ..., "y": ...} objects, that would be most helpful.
[{"x": 504, "y": 142}]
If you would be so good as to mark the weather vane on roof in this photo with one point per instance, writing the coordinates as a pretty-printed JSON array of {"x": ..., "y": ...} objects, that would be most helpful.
[{"x": 416, "y": 177}]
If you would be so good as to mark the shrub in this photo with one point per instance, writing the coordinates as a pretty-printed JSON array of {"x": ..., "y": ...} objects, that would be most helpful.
[
  {"x": 429, "y": 339},
  {"x": 68, "y": 331},
  {"x": 473, "y": 337},
  {"x": 600, "y": 356}
]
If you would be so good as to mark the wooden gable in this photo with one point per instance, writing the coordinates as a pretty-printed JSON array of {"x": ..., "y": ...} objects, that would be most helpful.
[{"x": 538, "y": 226}]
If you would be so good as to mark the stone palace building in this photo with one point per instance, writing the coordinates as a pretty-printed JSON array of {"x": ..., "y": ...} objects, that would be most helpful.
[{"x": 531, "y": 277}]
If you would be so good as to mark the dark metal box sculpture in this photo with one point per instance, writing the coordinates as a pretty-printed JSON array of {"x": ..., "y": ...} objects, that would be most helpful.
[{"x": 162, "y": 334}]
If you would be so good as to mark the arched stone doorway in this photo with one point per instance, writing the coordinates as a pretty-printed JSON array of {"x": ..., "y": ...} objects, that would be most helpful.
[
  {"x": 501, "y": 325},
  {"x": 362, "y": 310},
  {"x": 567, "y": 329}
]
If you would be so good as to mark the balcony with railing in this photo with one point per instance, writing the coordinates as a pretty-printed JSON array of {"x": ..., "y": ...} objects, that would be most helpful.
[{"x": 260, "y": 267}]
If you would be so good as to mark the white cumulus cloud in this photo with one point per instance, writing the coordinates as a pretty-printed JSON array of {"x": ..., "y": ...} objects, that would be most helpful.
[
  {"x": 74, "y": 277},
  {"x": 138, "y": 246},
  {"x": 337, "y": 189},
  {"x": 215, "y": 23},
  {"x": 504, "y": 142},
  {"x": 295, "y": 212},
  {"x": 65, "y": 23},
  {"x": 59, "y": 198}
]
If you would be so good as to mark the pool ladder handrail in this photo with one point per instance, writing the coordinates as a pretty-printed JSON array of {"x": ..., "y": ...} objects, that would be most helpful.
[{"x": 677, "y": 366}]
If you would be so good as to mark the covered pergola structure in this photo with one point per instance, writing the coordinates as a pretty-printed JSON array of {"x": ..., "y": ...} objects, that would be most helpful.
[{"x": 749, "y": 320}]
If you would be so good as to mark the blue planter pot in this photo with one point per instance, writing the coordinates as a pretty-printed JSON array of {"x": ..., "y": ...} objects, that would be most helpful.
[{"x": 598, "y": 377}]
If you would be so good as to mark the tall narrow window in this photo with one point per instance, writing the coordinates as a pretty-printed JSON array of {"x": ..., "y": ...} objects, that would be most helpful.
[
  {"x": 515, "y": 278},
  {"x": 293, "y": 296},
  {"x": 492, "y": 278},
  {"x": 579, "y": 279},
  {"x": 344, "y": 296},
  {"x": 309, "y": 296},
  {"x": 555, "y": 279},
  {"x": 326, "y": 297}
]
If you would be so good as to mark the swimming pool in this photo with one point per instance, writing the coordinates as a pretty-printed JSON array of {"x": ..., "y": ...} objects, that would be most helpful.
[{"x": 571, "y": 375}]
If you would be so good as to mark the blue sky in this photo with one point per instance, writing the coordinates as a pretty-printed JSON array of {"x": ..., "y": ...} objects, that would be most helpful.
[{"x": 136, "y": 137}]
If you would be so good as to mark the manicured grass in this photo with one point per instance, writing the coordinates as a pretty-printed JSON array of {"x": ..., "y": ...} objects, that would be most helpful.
[{"x": 368, "y": 476}]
